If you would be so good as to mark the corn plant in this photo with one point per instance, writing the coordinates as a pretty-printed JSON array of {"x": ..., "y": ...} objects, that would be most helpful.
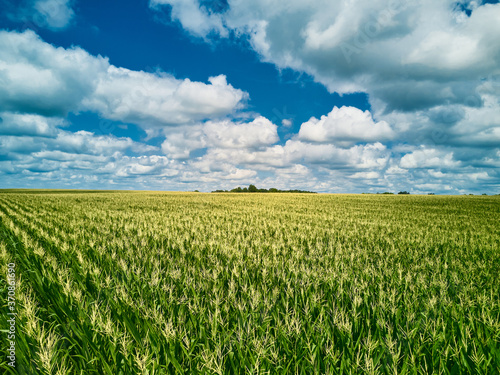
[{"x": 193, "y": 283}]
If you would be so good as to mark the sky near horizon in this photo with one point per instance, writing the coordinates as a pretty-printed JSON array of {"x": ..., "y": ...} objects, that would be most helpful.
[{"x": 329, "y": 96}]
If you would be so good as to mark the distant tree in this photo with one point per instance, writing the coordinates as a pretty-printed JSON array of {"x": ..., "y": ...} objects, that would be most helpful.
[
  {"x": 403, "y": 192},
  {"x": 196, "y": 191},
  {"x": 431, "y": 194},
  {"x": 484, "y": 194},
  {"x": 388, "y": 192},
  {"x": 253, "y": 189}
]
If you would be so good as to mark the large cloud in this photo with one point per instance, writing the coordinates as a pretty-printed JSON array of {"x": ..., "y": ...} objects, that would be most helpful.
[
  {"x": 430, "y": 70},
  {"x": 409, "y": 54},
  {"x": 28, "y": 125},
  {"x": 156, "y": 100},
  {"x": 345, "y": 125},
  {"x": 295, "y": 153},
  {"x": 259, "y": 132},
  {"x": 428, "y": 158},
  {"x": 81, "y": 142},
  {"x": 220, "y": 134},
  {"x": 38, "y": 78},
  {"x": 98, "y": 161},
  {"x": 451, "y": 124}
]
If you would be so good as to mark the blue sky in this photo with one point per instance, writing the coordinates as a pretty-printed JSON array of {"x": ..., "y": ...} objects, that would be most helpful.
[{"x": 360, "y": 96}]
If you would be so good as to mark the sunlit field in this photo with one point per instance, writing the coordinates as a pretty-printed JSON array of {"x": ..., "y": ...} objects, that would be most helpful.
[{"x": 188, "y": 283}]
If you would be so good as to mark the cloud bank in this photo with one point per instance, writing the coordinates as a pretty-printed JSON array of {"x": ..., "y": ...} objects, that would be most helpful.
[
  {"x": 431, "y": 71},
  {"x": 38, "y": 78}
]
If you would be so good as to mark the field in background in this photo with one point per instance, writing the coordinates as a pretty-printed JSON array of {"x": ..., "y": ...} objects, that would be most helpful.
[{"x": 155, "y": 283}]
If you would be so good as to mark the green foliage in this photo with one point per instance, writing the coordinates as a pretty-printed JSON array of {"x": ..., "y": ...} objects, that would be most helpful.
[
  {"x": 183, "y": 283},
  {"x": 253, "y": 189}
]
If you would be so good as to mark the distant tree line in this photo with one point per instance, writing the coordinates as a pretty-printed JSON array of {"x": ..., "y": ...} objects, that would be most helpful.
[
  {"x": 253, "y": 189},
  {"x": 401, "y": 192}
]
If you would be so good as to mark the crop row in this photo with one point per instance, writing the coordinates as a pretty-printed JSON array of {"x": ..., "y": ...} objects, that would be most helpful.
[{"x": 154, "y": 283}]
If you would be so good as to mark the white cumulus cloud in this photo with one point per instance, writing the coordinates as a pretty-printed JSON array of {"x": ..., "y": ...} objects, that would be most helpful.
[
  {"x": 29, "y": 125},
  {"x": 429, "y": 158},
  {"x": 155, "y": 100},
  {"x": 345, "y": 125},
  {"x": 225, "y": 134},
  {"x": 38, "y": 78},
  {"x": 407, "y": 55}
]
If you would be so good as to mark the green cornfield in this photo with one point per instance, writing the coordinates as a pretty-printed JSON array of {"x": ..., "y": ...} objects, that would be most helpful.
[{"x": 195, "y": 283}]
